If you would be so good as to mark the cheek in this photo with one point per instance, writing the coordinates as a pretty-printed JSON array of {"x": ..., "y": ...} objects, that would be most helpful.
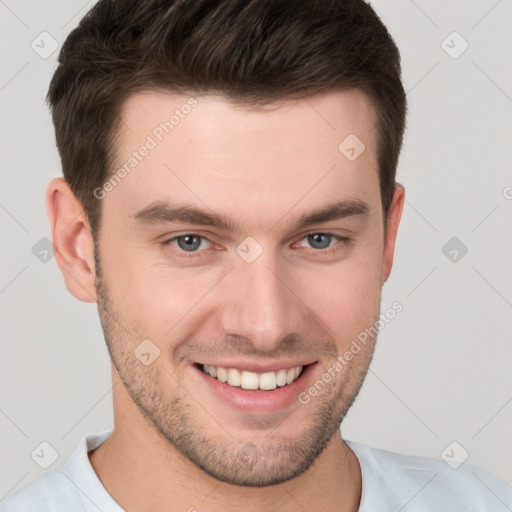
[
  {"x": 157, "y": 300},
  {"x": 161, "y": 302},
  {"x": 345, "y": 296}
]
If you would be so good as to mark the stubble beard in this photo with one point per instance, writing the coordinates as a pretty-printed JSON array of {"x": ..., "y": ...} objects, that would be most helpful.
[{"x": 247, "y": 462}]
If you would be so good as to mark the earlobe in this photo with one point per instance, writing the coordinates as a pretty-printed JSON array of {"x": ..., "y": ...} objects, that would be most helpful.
[
  {"x": 72, "y": 240},
  {"x": 391, "y": 230}
]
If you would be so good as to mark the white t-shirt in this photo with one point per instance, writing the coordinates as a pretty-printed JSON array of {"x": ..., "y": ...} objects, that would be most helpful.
[{"x": 391, "y": 483}]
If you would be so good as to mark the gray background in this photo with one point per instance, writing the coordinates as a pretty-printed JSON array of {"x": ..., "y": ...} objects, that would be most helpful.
[{"x": 442, "y": 367}]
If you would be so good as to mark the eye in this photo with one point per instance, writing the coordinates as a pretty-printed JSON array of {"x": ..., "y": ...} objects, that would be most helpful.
[
  {"x": 190, "y": 242},
  {"x": 323, "y": 241},
  {"x": 193, "y": 243}
]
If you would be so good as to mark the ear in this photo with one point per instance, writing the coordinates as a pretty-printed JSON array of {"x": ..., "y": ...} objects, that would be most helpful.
[
  {"x": 391, "y": 229},
  {"x": 72, "y": 240}
]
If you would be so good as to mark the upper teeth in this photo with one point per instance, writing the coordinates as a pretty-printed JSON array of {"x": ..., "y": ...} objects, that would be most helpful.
[{"x": 253, "y": 380}]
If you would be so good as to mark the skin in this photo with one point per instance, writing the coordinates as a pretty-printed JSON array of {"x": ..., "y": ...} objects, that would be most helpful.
[{"x": 176, "y": 445}]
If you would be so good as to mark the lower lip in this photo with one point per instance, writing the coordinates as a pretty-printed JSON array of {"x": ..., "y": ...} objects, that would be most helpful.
[{"x": 257, "y": 401}]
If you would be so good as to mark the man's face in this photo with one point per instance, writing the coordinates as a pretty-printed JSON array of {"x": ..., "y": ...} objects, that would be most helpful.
[{"x": 263, "y": 297}]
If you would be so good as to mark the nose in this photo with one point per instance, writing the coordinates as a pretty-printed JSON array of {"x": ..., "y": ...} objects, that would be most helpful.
[{"x": 259, "y": 303}]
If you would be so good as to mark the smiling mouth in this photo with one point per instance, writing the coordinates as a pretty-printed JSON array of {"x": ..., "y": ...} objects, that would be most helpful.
[{"x": 266, "y": 381}]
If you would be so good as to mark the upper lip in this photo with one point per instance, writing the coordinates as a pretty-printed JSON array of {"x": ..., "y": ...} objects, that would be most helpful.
[{"x": 259, "y": 367}]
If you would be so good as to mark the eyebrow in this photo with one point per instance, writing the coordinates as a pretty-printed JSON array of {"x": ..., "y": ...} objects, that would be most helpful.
[{"x": 160, "y": 212}]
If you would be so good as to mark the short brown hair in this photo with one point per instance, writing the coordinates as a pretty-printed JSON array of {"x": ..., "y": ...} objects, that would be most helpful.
[{"x": 253, "y": 52}]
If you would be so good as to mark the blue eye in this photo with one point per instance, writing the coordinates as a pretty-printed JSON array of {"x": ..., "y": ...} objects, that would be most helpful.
[
  {"x": 193, "y": 244},
  {"x": 320, "y": 240},
  {"x": 189, "y": 242}
]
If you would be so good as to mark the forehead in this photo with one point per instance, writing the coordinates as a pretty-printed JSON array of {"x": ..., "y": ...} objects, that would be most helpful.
[
  {"x": 331, "y": 115},
  {"x": 207, "y": 151}
]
